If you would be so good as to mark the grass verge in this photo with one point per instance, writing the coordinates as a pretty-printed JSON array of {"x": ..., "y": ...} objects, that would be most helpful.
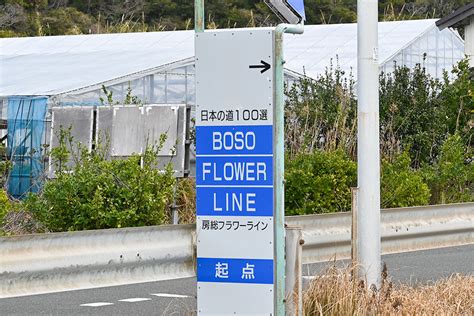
[{"x": 334, "y": 293}]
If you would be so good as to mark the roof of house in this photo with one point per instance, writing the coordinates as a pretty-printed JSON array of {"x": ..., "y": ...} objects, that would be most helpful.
[
  {"x": 60, "y": 64},
  {"x": 458, "y": 18}
]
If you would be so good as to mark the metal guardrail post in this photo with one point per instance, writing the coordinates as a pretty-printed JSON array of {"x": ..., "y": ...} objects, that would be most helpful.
[
  {"x": 174, "y": 207},
  {"x": 354, "y": 250},
  {"x": 294, "y": 265}
]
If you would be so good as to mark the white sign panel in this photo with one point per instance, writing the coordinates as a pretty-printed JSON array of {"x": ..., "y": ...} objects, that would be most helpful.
[{"x": 234, "y": 172}]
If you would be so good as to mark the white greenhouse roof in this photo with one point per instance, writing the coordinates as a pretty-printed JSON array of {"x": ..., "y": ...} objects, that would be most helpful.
[
  {"x": 60, "y": 64},
  {"x": 311, "y": 53}
]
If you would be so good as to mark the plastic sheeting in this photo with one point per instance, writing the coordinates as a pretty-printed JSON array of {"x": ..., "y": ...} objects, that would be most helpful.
[
  {"x": 174, "y": 86},
  {"x": 72, "y": 64},
  {"x": 321, "y": 45},
  {"x": 57, "y": 64},
  {"x": 26, "y": 116}
]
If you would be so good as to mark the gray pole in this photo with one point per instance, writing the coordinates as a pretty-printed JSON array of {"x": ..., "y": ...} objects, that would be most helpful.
[{"x": 368, "y": 152}]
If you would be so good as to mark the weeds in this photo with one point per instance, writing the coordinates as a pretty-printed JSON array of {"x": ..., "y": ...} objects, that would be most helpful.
[
  {"x": 186, "y": 200},
  {"x": 20, "y": 222},
  {"x": 335, "y": 293}
]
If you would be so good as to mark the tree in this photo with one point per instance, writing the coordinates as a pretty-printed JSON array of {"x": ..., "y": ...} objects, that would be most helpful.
[{"x": 11, "y": 16}]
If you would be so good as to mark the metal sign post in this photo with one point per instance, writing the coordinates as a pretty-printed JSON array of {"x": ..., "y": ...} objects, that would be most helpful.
[{"x": 280, "y": 163}]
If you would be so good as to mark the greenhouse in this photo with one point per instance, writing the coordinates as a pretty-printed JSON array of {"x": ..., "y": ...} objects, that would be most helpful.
[
  {"x": 158, "y": 67},
  {"x": 41, "y": 73}
]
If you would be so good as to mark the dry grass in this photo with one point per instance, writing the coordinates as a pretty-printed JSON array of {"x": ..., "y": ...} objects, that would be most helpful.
[
  {"x": 186, "y": 201},
  {"x": 20, "y": 222},
  {"x": 334, "y": 293}
]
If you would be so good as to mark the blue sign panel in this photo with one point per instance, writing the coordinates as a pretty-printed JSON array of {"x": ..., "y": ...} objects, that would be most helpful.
[
  {"x": 242, "y": 201},
  {"x": 257, "y": 271},
  {"x": 234, "y": 140},
  {"x": 235, "y": 170},
  {"x": 298, "y": 7}
]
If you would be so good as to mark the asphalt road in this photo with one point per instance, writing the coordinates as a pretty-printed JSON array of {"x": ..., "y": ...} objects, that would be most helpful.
[{"x": 178, "y": 297}]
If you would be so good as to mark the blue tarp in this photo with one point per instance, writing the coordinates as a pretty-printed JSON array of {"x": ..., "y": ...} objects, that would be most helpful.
[{"x": 26, "y": 118}]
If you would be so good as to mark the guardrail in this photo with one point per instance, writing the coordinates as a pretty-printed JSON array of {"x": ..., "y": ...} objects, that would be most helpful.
[
  {"x": 46, "y": 263},
  {"x": 328, "y": 236}
]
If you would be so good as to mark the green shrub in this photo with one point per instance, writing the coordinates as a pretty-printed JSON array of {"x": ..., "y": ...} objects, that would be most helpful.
[
  {"x": 319, "y": 182},
  {"x": 321, "y": 114},
  {"x": 66, "y": 21},
  {"x": 402, "y": 186},
  {"x": 417, "y": 111},
  {"x": 98, "y": 193},
  {"x": 410, "y": 114},
  {"x": 4, "y": 205},
  {"x": 451, "y": 178},
  {"x": 457, "y": 98}
]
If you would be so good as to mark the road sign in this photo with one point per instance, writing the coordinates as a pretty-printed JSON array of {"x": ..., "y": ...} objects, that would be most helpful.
[
  {"x": 289, "y": 11},
  {"x": 234, "y": 172}
]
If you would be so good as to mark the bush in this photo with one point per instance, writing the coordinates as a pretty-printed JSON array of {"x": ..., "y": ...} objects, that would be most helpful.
[
  {"x": 66, "y": 21},
  {"x": 319, "y": 182},
  {"x": 402, "y": 186},
  {"x": 417, "y": 112},
  {"x": 410, "y": 114},
  {"x": 451, "y": 178},
  {"x": 321, "y": 114},
  {"x": 457, "y": 98},
  {"x": 4, "y": 206},
  {"x": 98, "y": 193}
]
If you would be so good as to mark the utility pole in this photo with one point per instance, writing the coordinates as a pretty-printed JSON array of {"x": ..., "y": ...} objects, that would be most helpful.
[{"x": 368, "y": 150}]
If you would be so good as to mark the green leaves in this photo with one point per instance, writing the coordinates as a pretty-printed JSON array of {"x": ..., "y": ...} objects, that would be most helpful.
[
  {"x": 4, "y": 206},
  {"x": 402, "y": 186},
  {"x": 417, "y": 112},
  {"x": 319, "y": 182},
  {"x": 451, "y": 177},
  {"x": 96, "y": 193},
  {"x": 321, "y": 114},
  {"x": 421, "y": 163}
]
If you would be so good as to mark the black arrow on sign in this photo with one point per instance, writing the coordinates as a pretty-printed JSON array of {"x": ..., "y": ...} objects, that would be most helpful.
[{"x": 265, "y": 66}]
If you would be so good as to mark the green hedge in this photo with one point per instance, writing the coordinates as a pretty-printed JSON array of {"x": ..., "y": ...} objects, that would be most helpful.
[
  {"x": 319, "y": 182},
  {"x": 401, "y": 185}
]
